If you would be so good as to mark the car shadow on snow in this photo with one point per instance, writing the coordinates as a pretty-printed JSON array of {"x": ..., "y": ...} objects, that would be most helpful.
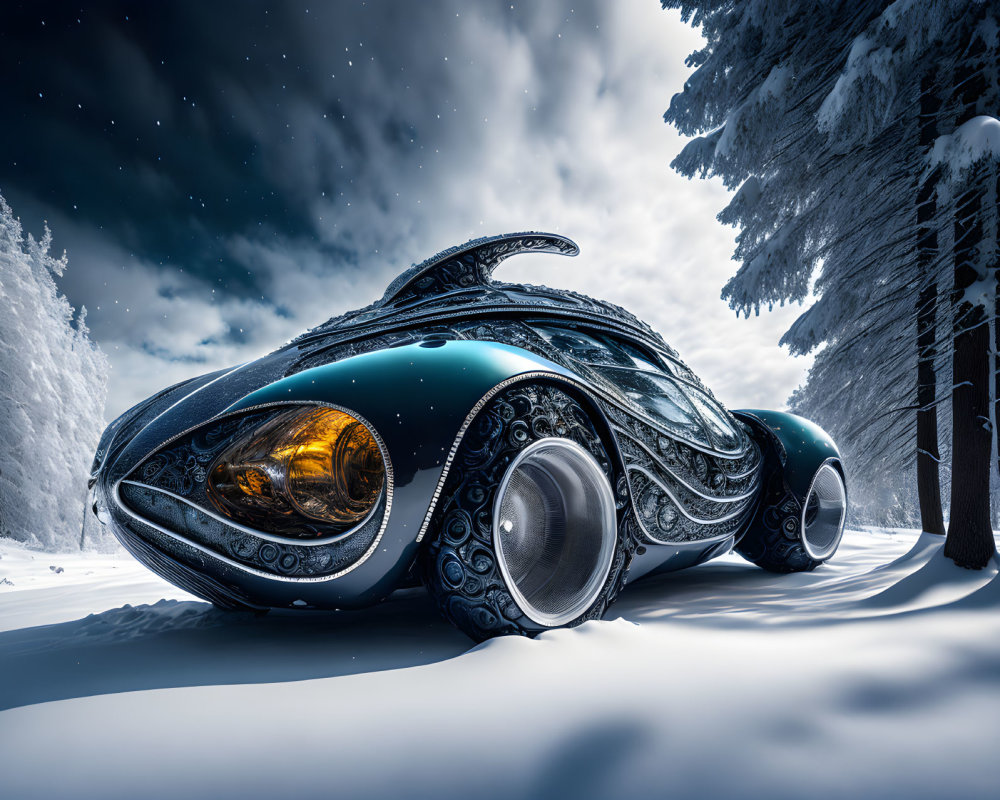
[{"x": 175, "y": 643}]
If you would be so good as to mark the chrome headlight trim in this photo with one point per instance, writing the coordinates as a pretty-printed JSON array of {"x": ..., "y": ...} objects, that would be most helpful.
[{"x": 389, "y": 485}]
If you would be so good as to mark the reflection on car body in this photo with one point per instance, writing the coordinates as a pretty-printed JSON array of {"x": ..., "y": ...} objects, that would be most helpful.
[{"x": 523, "y": 451}]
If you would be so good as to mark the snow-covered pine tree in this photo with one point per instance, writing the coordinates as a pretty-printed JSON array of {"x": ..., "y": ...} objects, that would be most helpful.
[
  {"x": 836, "y": 180},
  {"x": 937, "y": 60},
  {"x": 53, "y": 382},
  {"x": 754, "y": 97}
]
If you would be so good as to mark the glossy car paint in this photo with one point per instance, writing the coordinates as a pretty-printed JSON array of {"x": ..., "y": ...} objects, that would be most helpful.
[
  {"x": 803, "y": 445},
  {"x": 416, "y": 366}
]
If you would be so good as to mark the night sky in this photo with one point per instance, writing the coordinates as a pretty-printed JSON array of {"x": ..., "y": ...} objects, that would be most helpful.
[{"x": 226, "y": 175}]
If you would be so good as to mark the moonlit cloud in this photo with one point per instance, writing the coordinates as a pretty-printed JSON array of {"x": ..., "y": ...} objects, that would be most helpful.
[{"x": 271, "y": 167}]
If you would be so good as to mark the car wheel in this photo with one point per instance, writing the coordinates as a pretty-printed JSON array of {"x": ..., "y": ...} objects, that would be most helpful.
[
  {"x": 795, "y": 535},
  {"x": 526, "y": 536}
]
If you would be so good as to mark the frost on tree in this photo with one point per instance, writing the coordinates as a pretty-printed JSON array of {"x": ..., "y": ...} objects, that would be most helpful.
[
  {"x": 824, "y": 116},
  {"x": 54, "y": 382},
  {"x": 917, "y": 98}
]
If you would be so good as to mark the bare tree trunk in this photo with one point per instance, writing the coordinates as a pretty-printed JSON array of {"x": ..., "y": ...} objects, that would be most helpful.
[
  {"x": 83, "y": 523},
  {"x": 928, "y": 455},
  {"x": 970, "y": 535},
  {"x": 996, "y": 324}
]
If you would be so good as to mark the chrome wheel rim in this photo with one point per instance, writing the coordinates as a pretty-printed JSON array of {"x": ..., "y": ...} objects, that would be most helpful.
[
  {"x": 824, "y": 513},
  {"x": 554, "y": 530}
]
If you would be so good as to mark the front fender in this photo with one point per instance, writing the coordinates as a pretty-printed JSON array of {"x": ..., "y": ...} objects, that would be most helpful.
[{"x": 419, "y": 398}]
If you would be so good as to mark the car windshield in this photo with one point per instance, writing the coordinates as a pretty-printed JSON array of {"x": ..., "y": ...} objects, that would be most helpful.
[{"x": 648, "y": 382}]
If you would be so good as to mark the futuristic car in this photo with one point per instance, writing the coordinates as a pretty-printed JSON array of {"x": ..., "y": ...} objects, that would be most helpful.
[{"x": 521, "y": 451}]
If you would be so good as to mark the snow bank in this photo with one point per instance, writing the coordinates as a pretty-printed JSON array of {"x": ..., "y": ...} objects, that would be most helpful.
[{"x": 857, "y": 680}]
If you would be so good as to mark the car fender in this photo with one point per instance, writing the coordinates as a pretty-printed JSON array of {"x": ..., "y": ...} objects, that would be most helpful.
[
  {"x": 802, "y": 446},
  {"x": 418, "y": 399}
]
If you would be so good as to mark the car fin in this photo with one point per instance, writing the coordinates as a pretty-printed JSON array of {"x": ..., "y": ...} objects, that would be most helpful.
[{"x": 471, "y": 264}]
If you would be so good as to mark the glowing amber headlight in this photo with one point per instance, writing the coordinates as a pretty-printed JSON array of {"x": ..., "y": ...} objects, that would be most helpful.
[{"x": 308, "y": 472}]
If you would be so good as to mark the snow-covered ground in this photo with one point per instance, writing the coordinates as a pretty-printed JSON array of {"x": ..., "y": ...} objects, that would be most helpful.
[{"x": 876, "y": 676}]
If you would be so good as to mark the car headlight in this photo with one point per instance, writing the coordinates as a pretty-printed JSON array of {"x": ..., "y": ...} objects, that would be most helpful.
[{"x": 306, "y": 473}]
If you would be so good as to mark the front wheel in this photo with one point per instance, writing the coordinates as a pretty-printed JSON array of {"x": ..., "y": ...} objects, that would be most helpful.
[{"x": 526, "y": 535}]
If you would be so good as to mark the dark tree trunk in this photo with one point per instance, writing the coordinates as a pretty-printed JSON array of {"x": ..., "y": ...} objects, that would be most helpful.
[
  {"x": 996, "y": 328},
  {"x": 970, "y": 535},
  {"x": 928, "y": 455}
]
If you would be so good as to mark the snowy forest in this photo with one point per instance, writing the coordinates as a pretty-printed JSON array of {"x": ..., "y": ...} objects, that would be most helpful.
[
  {"x": 862, "y": 144},
  {"x": 860, "y": 147},
  {"x": 51, "y": 397}
]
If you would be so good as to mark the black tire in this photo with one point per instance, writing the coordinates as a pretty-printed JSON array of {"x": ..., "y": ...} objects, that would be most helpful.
[
  {"x": 459, "y": 564},
  {"x": 772, "y": 543},
  {"x": 774, "y": 540}
]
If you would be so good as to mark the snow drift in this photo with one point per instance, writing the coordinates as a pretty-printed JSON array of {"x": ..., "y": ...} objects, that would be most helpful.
[{"x": 874, "y": 676}]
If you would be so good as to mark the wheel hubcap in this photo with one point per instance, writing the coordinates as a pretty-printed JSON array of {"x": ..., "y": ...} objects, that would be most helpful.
[
  {"x": 554, "y": 529},
  {"x": 823, "y": 513}
]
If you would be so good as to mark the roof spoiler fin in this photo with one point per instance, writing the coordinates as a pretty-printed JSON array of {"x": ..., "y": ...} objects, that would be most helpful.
[{"x": 472, "y": 264}]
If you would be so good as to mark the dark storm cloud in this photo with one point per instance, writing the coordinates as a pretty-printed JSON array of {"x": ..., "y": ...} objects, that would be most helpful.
[
  {"x": 175, "y": 126},
  {"x": 137, "y": 113},
  {"x": 224, "y": 175}
]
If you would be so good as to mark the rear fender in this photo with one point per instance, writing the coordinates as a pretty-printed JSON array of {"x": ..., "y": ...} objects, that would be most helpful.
[
  {"x": 794, "y": 449},
  {"x": 801, "y": 446}
]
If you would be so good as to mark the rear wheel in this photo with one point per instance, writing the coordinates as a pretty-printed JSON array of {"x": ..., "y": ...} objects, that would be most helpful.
[
  {"x": 795, "y": 535},
  {"x": 525, "y": 537}
]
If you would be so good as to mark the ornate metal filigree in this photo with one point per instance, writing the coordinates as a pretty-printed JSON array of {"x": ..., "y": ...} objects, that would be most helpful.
[
  {"x": 470, "y": 264},
  {"x": 471, "y": 590},
  {"x": 776, "y": 543},
  {"x": 244, "y": 547},
  {"x": 182, "y": 466},
  {"x": 169, "y": 559},
  {"x": 452, "y": 296}
]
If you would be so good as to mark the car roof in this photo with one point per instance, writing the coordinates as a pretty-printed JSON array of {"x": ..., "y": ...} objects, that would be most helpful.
[{"x": 459, "y": 282}]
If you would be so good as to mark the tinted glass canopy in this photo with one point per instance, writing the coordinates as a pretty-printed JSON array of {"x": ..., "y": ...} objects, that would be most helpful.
[{"x": 649, "y": 382}]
